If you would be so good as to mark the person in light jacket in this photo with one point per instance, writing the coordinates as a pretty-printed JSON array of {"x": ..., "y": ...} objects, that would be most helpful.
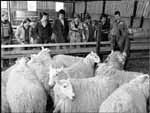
[{"x": 23, "y": 32}]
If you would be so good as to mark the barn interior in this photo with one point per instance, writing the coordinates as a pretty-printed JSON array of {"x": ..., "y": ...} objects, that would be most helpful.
[
  {"x": 35, "y": 74},
  {"x": 135, "y": 13}
]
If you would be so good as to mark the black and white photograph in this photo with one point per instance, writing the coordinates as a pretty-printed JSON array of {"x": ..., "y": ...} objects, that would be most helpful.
[{"x": 75, "y": 56}]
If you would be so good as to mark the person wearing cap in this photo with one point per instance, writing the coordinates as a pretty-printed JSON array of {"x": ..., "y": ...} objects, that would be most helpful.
[
  {"x": 23, "y": 32},
  {"x": 60, "y": 28},
  {"x": 76, "y": 29},
  {"x": 6, "y": 29},
  {"x": 43, "y": 29},
  {"x": 119, "y": 36}
]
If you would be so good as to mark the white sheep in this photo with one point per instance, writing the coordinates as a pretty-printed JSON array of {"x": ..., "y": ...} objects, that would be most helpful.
[
  {"x": 40, "y": 64},
  {"x": 82, "y": 95},
  {"x": 66, "y": 60},
  {"x": 116, "y": 59},
  {"x": 24, "y": 92},
  {"x": 121, "y": 76},
  {"x": 4, "y": 78},
  {"x": 4, "y": 103},
  {"x": 82, "y": 69},
  {"x": 128, "y": 98}
]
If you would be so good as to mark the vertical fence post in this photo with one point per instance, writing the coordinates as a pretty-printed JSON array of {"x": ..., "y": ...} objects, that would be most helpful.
[
  {"x": 98, "y": 37},
  {"x": 74, "y": 7},
  {"x": 9, "y": 11},
  {"x": 104, "y": 5},
  {"x": 134, "y": 12}
]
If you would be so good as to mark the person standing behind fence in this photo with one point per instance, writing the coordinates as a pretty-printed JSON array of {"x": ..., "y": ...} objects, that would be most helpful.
[
  {"x": 60, "y": 28},
  {"x": 6, "y": 30},
  {"x": 33, "y": 39},
  {"x": 105, "y": 27},
  {"x": 119, "y": 36},
  {"x": 23, "y": 32},
  {"x": 88, "y": 29},
  {"x": 76, "y": 30},
  {"x": 43, "y": 29}
]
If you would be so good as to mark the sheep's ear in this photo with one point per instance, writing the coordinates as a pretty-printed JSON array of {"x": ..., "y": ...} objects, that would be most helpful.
[
  {"x": 143, "y": 78},
  {"x": 42, "y": 48},
  {"x": 92, "y": 52}
]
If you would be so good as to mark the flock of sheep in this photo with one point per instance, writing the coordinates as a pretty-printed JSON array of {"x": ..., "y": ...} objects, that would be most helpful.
[{"x": 69, "y": 84}]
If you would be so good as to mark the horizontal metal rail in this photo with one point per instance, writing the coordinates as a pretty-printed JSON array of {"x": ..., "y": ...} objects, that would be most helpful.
[{"x": 82, "y": 48}]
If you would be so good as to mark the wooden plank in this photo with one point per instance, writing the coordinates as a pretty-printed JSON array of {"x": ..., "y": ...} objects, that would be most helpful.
[
  {"x": 16, "y": 54},
  {"x": 65, "y": 44}
]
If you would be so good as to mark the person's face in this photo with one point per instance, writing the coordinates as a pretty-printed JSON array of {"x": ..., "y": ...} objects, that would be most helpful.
[
  {"x": 45, "y": 17},
  {"x": 33, "y": 24},
  {"x": 76, "y": 19},
  {"x": 117, "y": 17},
  {"x": 26, "y": 25},
  {"x": 103, "y": 19},
  {"x": 5, "y": 17},
  {"x": 61, "y": 16}
]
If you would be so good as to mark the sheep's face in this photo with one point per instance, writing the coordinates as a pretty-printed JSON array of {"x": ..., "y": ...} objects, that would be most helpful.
[
  {"x": 22, "y": 60},
  {"x": 44, "y": 54},
  {"x": 53, "y": 72},
  {"x": 93, "y": 56},
  {"x": 65, "y": 89},
  {"x": 116, "y": 58}
]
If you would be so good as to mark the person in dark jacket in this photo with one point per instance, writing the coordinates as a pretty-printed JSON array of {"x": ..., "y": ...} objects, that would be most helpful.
[
  {"x": 6, "y": 30},
  {"x": 119, "y": 36},
  {"x": 89, "y": 31},
  {"x": 105, "y": 27},
  {"x": 60, "y": 28},
  {"x": 43, "y": 29}
]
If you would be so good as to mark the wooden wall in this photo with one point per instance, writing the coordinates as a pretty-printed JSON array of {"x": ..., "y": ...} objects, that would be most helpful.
[
  {"x": 126, "y": 7},
  {"x": 94, "y": 8}
]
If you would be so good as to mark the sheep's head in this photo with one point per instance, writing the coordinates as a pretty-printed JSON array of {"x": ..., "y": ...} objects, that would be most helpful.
[
  {"x": 44, "y": 54},
  {"x": 53, "y": 73},
  {"x": 64, "y": 89},
  {"x": 22, "y": 60},
  {"x": 116, "y": 59},
  {"x": 142, "y": 82},
  {"x": 92, "y": 56}
]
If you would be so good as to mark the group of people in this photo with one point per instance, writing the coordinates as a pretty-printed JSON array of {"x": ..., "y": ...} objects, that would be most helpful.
[
  {"x": 29, "y": 32},
  {"x": 63, "y": 32}
]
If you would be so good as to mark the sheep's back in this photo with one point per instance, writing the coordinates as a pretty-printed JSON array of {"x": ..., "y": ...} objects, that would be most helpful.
[
  {"x": 125, "y": 99},
  {"x": 66, "y": 60},
  {"x": 89, "y": 93},
  {"x": 4, "y": 103},
  {"x": 24, "y": 93}
]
